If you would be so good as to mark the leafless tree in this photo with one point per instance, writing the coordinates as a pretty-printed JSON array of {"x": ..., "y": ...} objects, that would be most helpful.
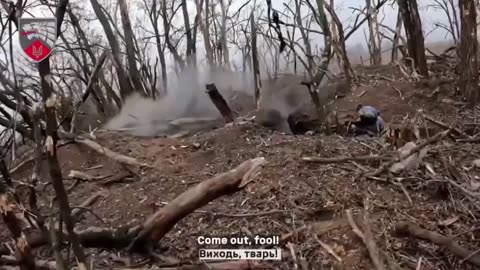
[
  {"x": 125, "y": 86},
  {"x": 468, "y": 51},
  {"x": 153, "y": 11},
  {"x": 256, "y": 68},
  {"x": 223, "y": 33},
  {"x": 413, "y": 28},
  {"x": 374, "y": 42},
  {"x": 450, "y": 10},
  {"x": 396, "y": 37},
  {"x": 130, "y": 48}
]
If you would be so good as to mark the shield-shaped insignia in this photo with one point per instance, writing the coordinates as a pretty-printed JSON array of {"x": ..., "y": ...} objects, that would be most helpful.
[{"x": 37, "y": 37}]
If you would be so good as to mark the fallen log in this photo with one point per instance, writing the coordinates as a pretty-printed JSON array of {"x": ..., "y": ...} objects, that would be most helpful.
[
  {"x": 219, "y": 102},
  {"x": 137, "y": 238},
  {"x": 157, "y": 225}
]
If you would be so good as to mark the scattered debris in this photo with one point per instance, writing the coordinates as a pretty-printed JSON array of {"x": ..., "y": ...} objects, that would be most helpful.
[
  {"x": 415, "y": 231},
  {"x": 408, "y": 162},
  {"x": 300, "y": 194}
]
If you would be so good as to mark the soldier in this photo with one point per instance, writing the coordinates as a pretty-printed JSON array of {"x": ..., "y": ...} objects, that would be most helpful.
[{"x": 370, "y": 122}]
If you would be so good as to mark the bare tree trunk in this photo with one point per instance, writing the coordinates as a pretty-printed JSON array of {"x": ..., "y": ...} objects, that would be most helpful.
[
  {"x": 154, "y": 14},
  {"x": 247, "y": 53},
  {"x": 163, "y": 66},
  {"x": 196, "y": 24},
  {"x": 48, "y": 99},
  {"x": 306, "y": 41},
  {"x": 327, "y": 49},
  {"x": 468, "y": 51},
  {"x": 166, "y": 27},
  {"x": 321, "y": 100},
  {"x": 335, "y": 35},
  {"x": 204, "y": 27},
  {"x": 124, "y": 83},
  {"x": 223, "y": 33},
  {"x": 373, "y": 47},
  {"x": 291, "y": 38},
  {"x": 413, "y": 29},
  {"x": 455, "y": 17},
  {"x": 217, "y": 43},
  {"x": 256, "y": 67},
  {"x": 347, "y": 67},
  {"x": 396, "y": 37},
  {"x": 109, "y": 93},
  {"x": 130, "y": 47},
  {"x": 188, "y": 32},
  {"x": 378, "y": 34},
  {"x": 220, "y": 103}
]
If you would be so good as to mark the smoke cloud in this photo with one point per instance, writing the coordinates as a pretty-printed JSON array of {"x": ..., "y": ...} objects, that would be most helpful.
[{"x": 185, "y": 98}]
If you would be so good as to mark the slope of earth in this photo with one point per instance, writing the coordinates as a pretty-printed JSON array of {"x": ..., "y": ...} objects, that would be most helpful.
[
  {"x": 289, "y": 193},
  {"x": 396, "y": 96}
]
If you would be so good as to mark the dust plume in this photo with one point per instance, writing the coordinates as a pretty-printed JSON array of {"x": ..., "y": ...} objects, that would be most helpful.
[{"x": 186, "y": 98}]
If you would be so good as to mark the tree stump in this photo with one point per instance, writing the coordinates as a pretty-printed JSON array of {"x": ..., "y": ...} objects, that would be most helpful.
[{"x": 219, "y": 102}]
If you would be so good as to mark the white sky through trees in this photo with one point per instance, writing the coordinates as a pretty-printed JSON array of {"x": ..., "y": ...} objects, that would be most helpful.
[{"x": 429, "y": 15}]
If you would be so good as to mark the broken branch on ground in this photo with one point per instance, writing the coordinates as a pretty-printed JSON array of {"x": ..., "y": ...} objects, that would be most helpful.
[{"x": 407, "y": 229}]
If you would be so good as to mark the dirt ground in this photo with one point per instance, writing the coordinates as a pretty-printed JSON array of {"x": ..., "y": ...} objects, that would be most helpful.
[{"x": 289, "y": 193}]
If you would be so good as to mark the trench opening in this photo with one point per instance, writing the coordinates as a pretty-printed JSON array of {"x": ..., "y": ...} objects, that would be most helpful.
[{"x": 300, "y": 124}]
